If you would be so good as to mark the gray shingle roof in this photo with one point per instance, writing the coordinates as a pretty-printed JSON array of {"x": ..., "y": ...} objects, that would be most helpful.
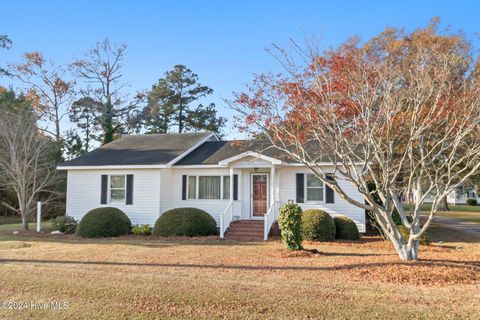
[
  {"x": 154, "y": 149},
  {"x": 212, "y": 152}
]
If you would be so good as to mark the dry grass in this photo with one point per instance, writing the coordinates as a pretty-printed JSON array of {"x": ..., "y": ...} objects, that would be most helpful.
[
  {"x": 148, "y": 278},
  {"x": 462, "y": 215}
]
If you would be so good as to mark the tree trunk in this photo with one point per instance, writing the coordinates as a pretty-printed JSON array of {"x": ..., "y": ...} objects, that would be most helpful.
[
  {"x": 108, "y": 123},
  {"x": 444, "y": 204},
  {"x": 404, "y": 251},
  {"x": 25, "y": 222}
]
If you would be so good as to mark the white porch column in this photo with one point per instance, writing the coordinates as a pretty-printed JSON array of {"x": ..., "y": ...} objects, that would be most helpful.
[
  {"x": 272, "y": 184},
  {"x": 231, "y": 190}
]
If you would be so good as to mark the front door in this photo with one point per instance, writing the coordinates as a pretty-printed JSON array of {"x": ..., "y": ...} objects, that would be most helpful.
[{"x": 259, "y": 195}]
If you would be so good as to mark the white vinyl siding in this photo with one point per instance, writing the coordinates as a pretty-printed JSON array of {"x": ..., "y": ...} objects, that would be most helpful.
[
  {"x": 287, "y": 191},
  {"x": 158, "y": 190},
  {"x": 171, "y": 193},
  {"x": 84, "y": 192}
]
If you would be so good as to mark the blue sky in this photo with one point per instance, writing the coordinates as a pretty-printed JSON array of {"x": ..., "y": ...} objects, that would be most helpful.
[{"x": 222, "y": 41}]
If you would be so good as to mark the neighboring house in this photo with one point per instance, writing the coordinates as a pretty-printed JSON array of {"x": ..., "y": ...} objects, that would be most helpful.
[
  {"x": 461, "y": 194},
  {"x": 145, "y": 175},
  {"x": 457, "y": 196}
]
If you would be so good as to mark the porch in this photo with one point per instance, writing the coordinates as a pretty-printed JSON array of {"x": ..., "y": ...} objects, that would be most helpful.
[{"x": 257, "y": 196}]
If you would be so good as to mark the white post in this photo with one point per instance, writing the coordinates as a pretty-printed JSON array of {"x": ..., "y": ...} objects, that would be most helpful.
[
  {"x": 39, "y": 215},
  {"x": 272, "y": 188},
  {"x": 231, "y": 190}
]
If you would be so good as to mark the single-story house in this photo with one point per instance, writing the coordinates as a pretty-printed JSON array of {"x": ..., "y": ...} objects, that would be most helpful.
[
  {"x": 458, "y": 196},
  {"x": 145, "y": 175}
]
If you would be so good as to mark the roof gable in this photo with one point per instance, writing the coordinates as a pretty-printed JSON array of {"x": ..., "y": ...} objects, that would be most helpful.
[
  {"x": 155, "y": 149},
  {"x": 217, "y": 152}
]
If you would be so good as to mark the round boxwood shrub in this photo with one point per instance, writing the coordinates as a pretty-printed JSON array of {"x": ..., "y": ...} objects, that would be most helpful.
[
  {"x": 472, "y": 201},
  {"x": 317, "y": 225},
  {"x": 104, "y": 222},
  {"x": 345, "y": 228},
  {"x": 289, "y": 223},
  {"x": 185, "y": 222}
]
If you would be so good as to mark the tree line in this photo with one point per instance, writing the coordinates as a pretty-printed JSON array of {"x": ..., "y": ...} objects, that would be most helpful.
[
  {"x": 59, "y": 112},
  {"x": 88, "y": 96}
]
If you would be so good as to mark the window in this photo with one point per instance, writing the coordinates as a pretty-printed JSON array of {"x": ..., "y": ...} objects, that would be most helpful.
[
  {"x": 315, "y": 188},
  {"x": 192, "y": 187},
  {"x": 117, "y": 189},
  {"x": 226, "y": 187},
  {"x": 209, "y": 187}
]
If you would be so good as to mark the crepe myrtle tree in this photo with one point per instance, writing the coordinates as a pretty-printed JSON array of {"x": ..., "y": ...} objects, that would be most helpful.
[{"x": 401, "y": 111}]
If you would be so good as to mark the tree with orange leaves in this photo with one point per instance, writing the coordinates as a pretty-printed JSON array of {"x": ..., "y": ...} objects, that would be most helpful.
[
  {"x": 401, "y": 111},
  {"x": 47, "y": 87}
]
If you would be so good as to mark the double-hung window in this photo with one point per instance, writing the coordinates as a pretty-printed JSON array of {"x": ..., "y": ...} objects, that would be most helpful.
[
  {"x": 314, "y": 188},
  {"x": 208, "y": 187},
  {"x": 117, "y": 189}
]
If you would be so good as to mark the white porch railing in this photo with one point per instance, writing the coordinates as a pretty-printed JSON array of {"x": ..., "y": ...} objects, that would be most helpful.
[
  {"x": 226, "y": 218},
  {"x": 269, "y": 218}
]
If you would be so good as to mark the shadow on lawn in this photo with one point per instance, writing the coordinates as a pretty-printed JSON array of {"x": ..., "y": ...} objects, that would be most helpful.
[
  {"x": 430, "y": 262},
  {"x": 147, "y": 241}
]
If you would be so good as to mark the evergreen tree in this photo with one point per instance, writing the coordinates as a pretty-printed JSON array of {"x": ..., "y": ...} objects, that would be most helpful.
[
  {"x": 84, "y": 113},
  {"x": 170, "y": 105}
]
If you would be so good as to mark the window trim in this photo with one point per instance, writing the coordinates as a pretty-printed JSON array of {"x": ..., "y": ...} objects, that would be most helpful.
[
  {"x": 197, "y": 187},
  {"x": 110, "y": 188},
  {"x": 306, "y": 191}
]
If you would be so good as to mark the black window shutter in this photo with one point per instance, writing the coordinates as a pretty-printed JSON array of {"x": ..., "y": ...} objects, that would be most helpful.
[
  {"x": 300, "y": 187},
  {"x": 104, "y": 189},
  {"x": 129, "y": 189},
  {"x": 329, "y": 194},
  {"x": 184, "y": 187},
  {"x": 235, "y": 187}
]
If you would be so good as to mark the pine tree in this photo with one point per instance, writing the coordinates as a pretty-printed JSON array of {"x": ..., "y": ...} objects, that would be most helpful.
[{"x": 170, "y": 105}]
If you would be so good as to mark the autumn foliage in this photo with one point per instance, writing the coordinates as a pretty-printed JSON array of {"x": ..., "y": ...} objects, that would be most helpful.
[{"x": 401, "y": 111}]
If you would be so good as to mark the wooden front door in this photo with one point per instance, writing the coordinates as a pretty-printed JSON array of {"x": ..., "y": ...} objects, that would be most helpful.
[{"x": 259, "y": 194}]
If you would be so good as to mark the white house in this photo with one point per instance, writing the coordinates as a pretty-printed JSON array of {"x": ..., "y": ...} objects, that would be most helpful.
[
  {"x": 458, "y": 196},
  {"x": 145, "y": 175}
]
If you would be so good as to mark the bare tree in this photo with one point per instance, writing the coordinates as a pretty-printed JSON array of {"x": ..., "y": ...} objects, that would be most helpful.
[
  {"x": 26, "y": 162},
  {"x": 101, "y": 69},
  {"x": 47, "y": 88},
  {"x": 401, "y": 111}
]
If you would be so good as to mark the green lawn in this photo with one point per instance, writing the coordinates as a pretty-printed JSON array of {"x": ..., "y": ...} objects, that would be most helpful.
[
  {"x": 153, "y": 278},
  {"x": 462, "y": 212},
  {"x": 458, "y": 208}
]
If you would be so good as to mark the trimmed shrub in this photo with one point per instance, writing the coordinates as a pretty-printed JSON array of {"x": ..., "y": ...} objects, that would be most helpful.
[
  {"x": 345, "y": 228},
  {"x": 472, "y": 202},
  {"x": 290, "y": 225},
  {"x": 188, "y": 222},
  {"x": 142, "y": 230},
  {"x": 65, "y": 224},
  {"x": 405, "y": 232},
  {"x": 104, "y": 222},
  {"x": 317, "y": 225}
]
